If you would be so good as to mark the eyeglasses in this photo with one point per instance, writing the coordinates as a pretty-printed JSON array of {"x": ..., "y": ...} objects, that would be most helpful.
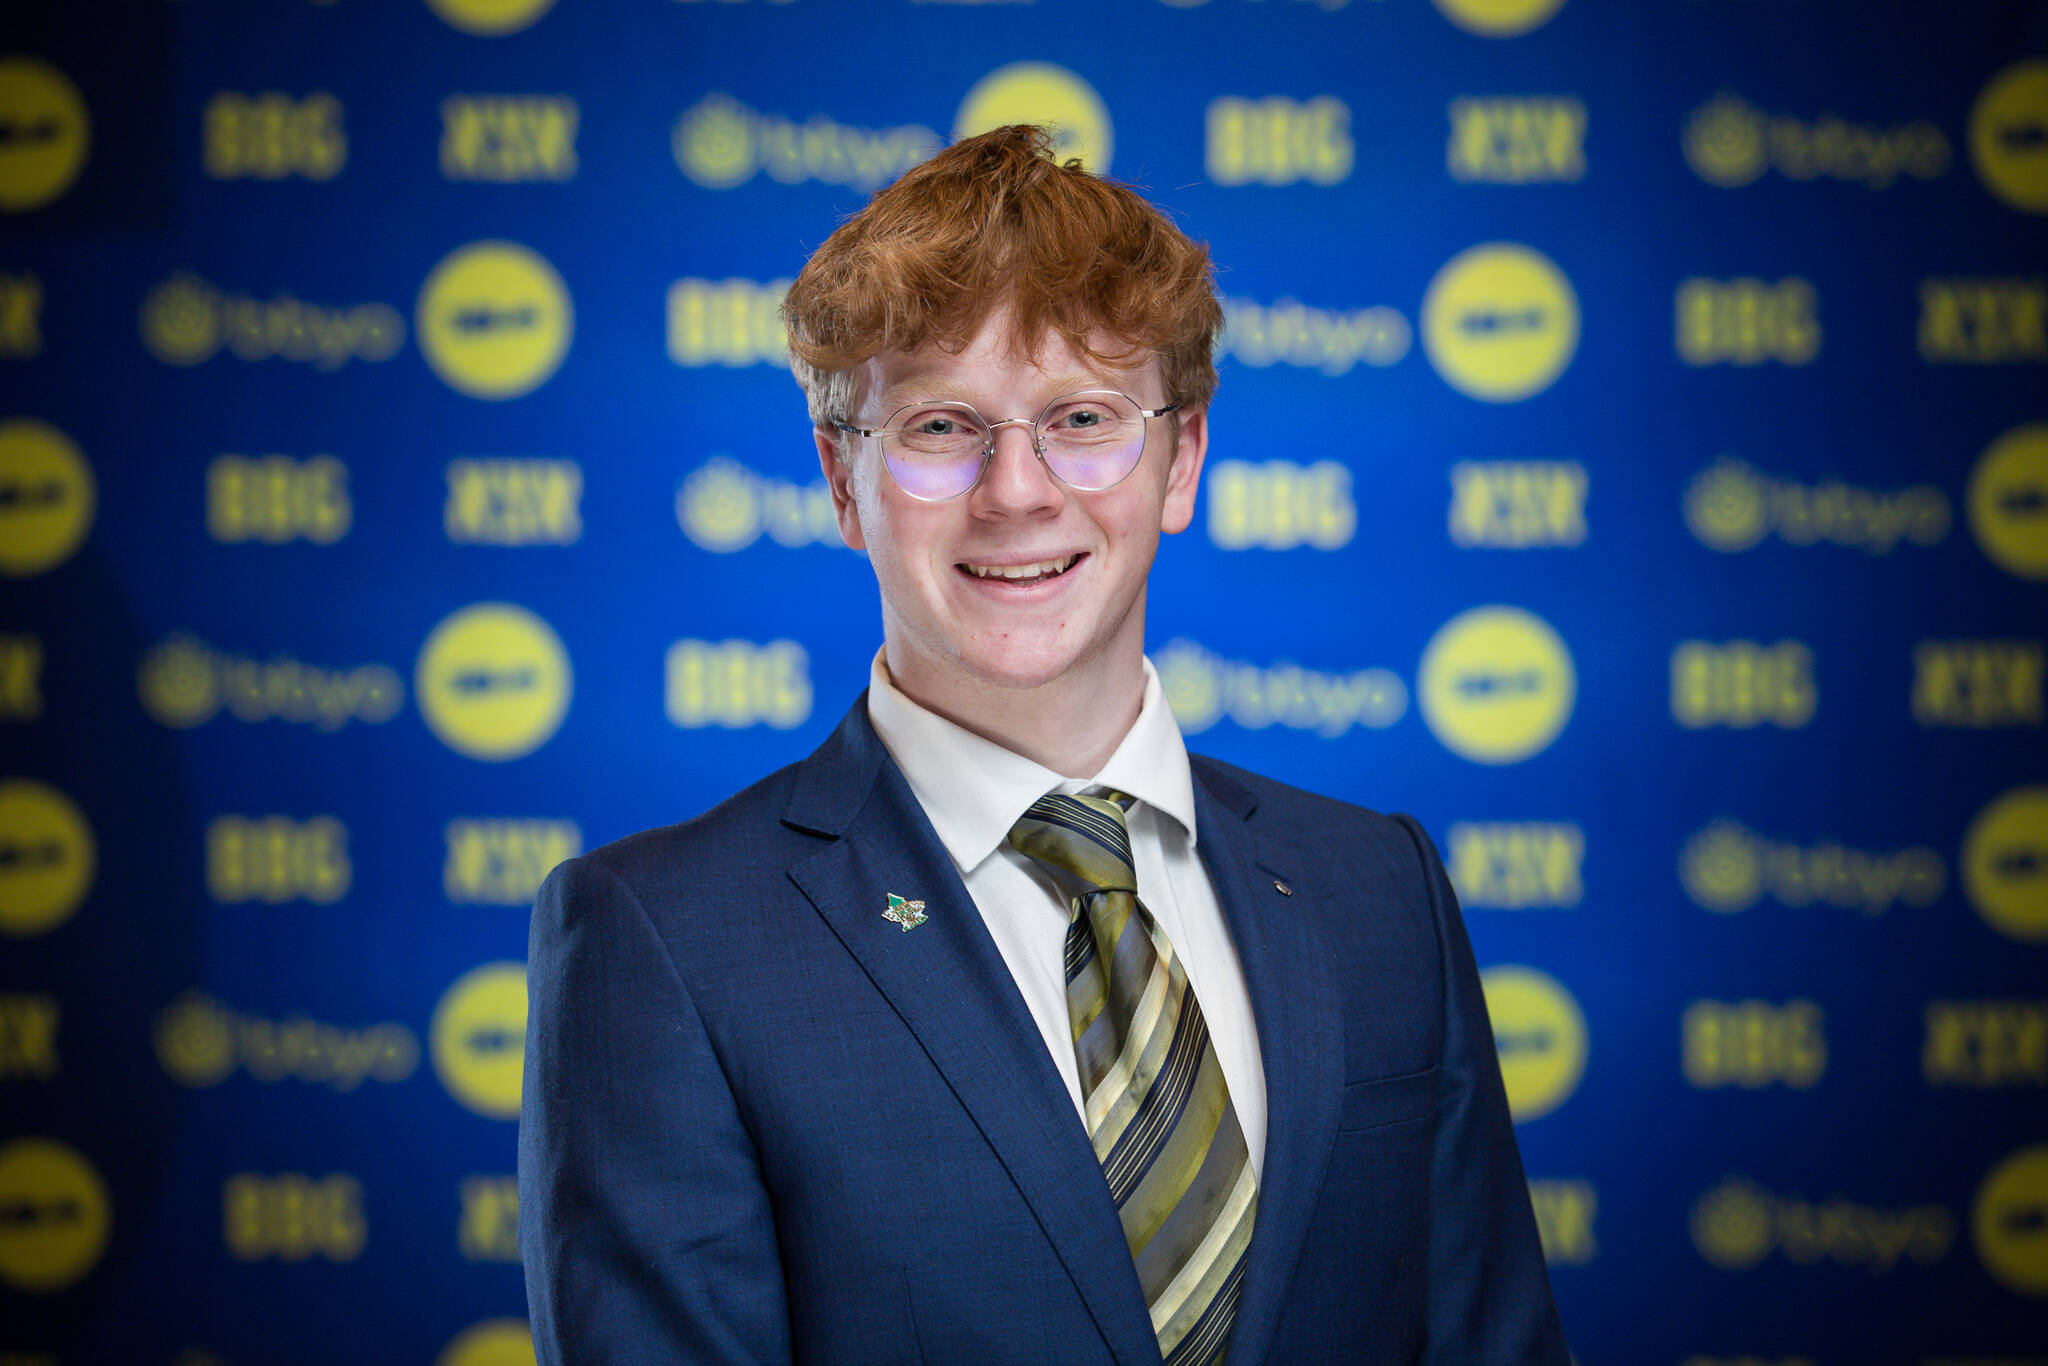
[{"x": 937, "y": 450}]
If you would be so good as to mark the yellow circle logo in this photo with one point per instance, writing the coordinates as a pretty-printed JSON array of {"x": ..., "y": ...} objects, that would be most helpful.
[
  {"x": 2009, "y": 1221},
  {"x": 1039, "y": 92},
  {"x": 46, "y": 497},
  {"x": 493, "y": 681},
  {"x": 181, "y": 320},
  {"x": 1189, "y": 679},
  {"x": 195, "y": 1040},
  {"x": 494, "y": 1342},
  {"x": 478, "y": 1038},
  {"x": 714, "y": 143},
  {"x": 1540, "y": 1036},
  {"x": 2008, "y": 501},
  {"x": 490, "y": 18},
  {"x": 1721, "y": 869},
  {"x": 57, "y": 1215},
  {"x": 1500, "y": 322},
  {"x": 47, "y": 857},
  {"x": 1733, "y": 1226},
  {"x": 44, "y": 134},
  {"x": 1496, "y": 685},
  {"x": 178, "y": 684},
  {"x": 1499, "y": 18},
  {"x": 717, "y": 506},
  {"x": 2005, "y": 863},
  {"x": 2009, "y": 135},
  {"x": 1724, "y": 141},
  {"x": 1726, "y": 506},
  {"x": 494, "y": 320}
]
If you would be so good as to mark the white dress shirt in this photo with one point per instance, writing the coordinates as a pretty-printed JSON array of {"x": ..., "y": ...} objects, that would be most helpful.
[{"x": 973, "y": 790}]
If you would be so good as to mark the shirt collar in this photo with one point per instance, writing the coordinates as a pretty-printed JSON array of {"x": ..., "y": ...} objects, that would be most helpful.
[{"x": 973, "y": 790}]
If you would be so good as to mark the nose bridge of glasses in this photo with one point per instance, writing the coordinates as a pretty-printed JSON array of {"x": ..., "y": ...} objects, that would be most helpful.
[{"x": 1030, "y": 427}]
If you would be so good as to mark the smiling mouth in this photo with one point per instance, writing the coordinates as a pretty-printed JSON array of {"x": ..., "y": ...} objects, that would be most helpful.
[{"x": 1023, "y": 573}]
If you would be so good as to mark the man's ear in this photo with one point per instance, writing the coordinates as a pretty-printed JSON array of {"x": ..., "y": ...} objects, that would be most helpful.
[
  {"x": 1185, "y": 473},
  {"x": 837, "y": 462}
]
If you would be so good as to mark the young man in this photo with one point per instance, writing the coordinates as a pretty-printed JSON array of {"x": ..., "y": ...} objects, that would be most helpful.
[{"x": 999, "y": 1029}]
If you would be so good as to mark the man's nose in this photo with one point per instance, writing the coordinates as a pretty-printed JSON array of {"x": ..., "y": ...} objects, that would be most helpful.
[{"x": 1016, "y": 481}]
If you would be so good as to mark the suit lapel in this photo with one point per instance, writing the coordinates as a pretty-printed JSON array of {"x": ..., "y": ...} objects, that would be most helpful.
[
  {"x": 949, "y": 984},
  {"x": 1301, "y": 1041}
]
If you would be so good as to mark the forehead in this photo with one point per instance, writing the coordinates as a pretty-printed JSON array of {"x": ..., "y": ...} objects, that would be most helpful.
[{"x": 995, "y": 368}]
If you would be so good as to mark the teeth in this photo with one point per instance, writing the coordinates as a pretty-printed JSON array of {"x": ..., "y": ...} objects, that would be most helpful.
[{"x": 1043, "y": 569}]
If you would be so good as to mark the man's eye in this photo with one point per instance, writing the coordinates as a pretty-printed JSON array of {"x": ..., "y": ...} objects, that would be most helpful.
[
  {"x": 938, "y": 426},
  {"x": 1084, "y": 417}
]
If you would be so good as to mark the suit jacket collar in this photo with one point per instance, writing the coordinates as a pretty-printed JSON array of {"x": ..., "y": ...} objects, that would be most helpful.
[{"x": 948, "y": 983}]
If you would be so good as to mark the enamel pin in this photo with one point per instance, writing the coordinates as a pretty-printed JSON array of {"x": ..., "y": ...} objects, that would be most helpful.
[{"x": 908, "y": 914}]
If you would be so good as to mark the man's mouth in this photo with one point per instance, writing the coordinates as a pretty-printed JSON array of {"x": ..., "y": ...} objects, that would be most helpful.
[{"x": 1023, "y": 573}]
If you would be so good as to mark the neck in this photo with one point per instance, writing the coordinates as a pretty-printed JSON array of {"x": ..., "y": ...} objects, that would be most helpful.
[{"x": 1070, "y": 725}]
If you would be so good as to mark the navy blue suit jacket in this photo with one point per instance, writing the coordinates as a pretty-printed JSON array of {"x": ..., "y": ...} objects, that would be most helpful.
[{"x": 763, "y": 1124}]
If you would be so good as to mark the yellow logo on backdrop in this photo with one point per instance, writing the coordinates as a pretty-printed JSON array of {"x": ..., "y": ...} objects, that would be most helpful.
[
  {"x": 1518, "y": 504},
  {"x": 1753, "y": 1044},
  {"x": 200, "y": 1042},
  {"x": 1278, "y": 141},
  {"x": 1515, "y": 866},
  {"x": 494, "y": 1342},
  {"x": 737, "y": 683},
  {"x": 1978, "y": 683},
  {"x": 1738, "y": 1224},
  {"x": 503, "y": 862},
  {"x": 1741, "y": 684},
  {"x": 507, "y": 139},
  {"x": 1731, "y": 507},
  {"x": 1202, "y": 688},
  {"x": 28, "y": 1036},
  {"x": 2007, "y": 501},
  {"x": 1731, "y": 143},
  {"x": 513, "y": 502},
  {"x": 727, "y": 322},
  {"x": 1278, "y": 505},
  {"x": 1499, "y": 18},
  {"x": 1729, "y": 868},
  {"x": 1564, "y": 1220},
  {"x": 493, "y": 681},
  {"x": 275, "y": 859},
  {"x": 723, "y": 506},
  {"x": 1983, "y": 321},
  {"x": 1286, "y": 332},
  {"x": 2009, "y": 135},
  {"x": 292, "y": 1217},
  {"x": 2005, "y": 863},
  {"x": 1496, "y": 685},
  {"x": 494, "y": 320},
  {"x": 2009, "y": 1221},
  {"x": 1039, "y": 92},
  {"x": 720, "y": 143},
  {"x": 1516, "y": 140},
  {"x": 272, "y": 136},
  {"x": 1747, "y": 322},
  {"x": 21, "y": 313},
  {"x": 1981, "y": 1044},
  {"x": 478, "y": 1039},
  {"x": 184, "y": 682},
  {"x": 47, "y": 857},
  {"x": 488, "y": 1230},
  {"x": 275, "y": 499},
  {"x": 1541, "y": 1036},
  {"x": 46, "y": 497},
  {"x": 1500, "y": 322},
  {"x": 58, "y": 1216},
  {"x": 21, "y": 678},
  {"x": 44, "y": 134},
  {"x": 185, "y": 321},
  {"x": 490, "y": 18}
]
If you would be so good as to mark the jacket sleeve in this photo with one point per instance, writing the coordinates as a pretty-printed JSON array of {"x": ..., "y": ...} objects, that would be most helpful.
[
  {"x": 1489, "y": 1297},
  {"x": 645, "y": 1229}
]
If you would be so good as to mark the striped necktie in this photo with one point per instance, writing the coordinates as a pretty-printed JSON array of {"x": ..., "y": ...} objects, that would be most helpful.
[{"x": 1157, "y": 1106}]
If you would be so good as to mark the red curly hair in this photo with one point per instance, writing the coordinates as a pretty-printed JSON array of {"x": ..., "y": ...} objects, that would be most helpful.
[{"x": 994, "y": 220}]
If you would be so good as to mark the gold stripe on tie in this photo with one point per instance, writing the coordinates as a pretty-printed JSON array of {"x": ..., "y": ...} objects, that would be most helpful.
[{"x": 1157, "y": 1107}]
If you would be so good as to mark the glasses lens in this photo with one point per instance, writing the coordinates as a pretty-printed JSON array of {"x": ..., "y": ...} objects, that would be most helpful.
[
  {"x": 934, "y": 450},
  {"x": 1092, "y": 440}
]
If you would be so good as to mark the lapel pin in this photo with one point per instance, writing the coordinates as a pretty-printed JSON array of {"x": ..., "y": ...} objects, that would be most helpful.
[
  {"x": 1283, "y": 888},
  {"x": 908, "y": 914}
]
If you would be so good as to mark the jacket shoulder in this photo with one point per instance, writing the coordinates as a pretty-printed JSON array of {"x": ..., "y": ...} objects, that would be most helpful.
[{"x": 741, "y": 839}]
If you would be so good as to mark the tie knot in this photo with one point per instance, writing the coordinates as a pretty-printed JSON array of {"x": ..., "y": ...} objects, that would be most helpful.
[{"x": 1083, "y": 837}]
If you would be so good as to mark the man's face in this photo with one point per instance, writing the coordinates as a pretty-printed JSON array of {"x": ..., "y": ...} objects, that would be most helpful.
[{"x": 949, "y": 629}]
